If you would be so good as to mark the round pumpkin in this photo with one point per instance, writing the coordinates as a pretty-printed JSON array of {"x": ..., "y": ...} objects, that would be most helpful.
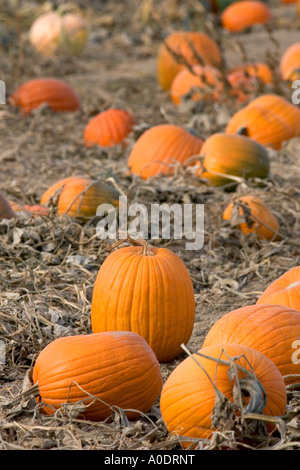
[
  {"x": 108, "y": 128},
  {"x": 188, "y": 396},
  {"x": 161, "y": 148},
  {"x": 290, "y": 61},
  {"x": 202, "y": 82},
  {"x": 243, "y": 14},
  {"x": 6, "y": 211},
  {"x": 149, "y": 291},
  {"x": 56, "y": 94},
  {"x": 52, "y": 32},
  {"x": 80, "y": 197},
  {"x": 185, "y": 47},
  {"x": 104, "y": 370},
  {"x": 284, "y": 291},
  {"x": 236, "y": 155},
  {"x": 271, "y": 329},
  {"x": 256, "y": 215}
]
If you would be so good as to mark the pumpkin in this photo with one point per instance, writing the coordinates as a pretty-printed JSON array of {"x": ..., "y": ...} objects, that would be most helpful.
[
  {"x": 257, "y": 217},
  {"x": 284, "y": 291},
  {"x": 233, "y": 155},
  {"x": 108, "y": 128},
  {"x": 258, "y": 70},
  {"x": 202, "y": 82},
  {"x": 6, "y": 211},
  {"x": 104, "y": 370},
  {"x": 146, "y": 290},
  {"x": 80, "y": 197},
  {"x": 56, "y": 94},
  {"x": 52, "y": 32},
  {"x": 189, "y": 394},
  {"x": 245, "y": 80},
  {"x": 290, "y": 62},
  {"x": 161, "y": 148},
  {"x": 35, "y": 209},
  {"x": 185, "y": 47},
  {"x": 271, "y": 329},
  {"x": 243, "y": 14},
  {"x": 269, "y": 120}
]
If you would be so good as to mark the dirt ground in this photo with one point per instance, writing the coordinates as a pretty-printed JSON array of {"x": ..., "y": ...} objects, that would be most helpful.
[{"x": 49, "y": 264}]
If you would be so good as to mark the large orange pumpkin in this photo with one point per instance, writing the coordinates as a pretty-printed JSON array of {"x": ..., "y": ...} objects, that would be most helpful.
[
  {"x": 56, "y": 94},
  {"x": 290, "y": 61},
  {"x": 188, "y": 397},
  {"x": 256, "y": 215},
  {"x": 161, "y": 148},
  {"x": 80, "y": 197},
  {"x": 108, "y": 128},
  {"x": 269, "y": 120},
  {"x": 6, "y": 211},
  {"x": 284, "y": 291},
  {"x": 149, "y": 291},
  {"x": 271, "y": 329},
  {"x": 53, "y": 32},
  {"x": 243, "y": 14},
  {"x": 182, "y": 48},
  {"x": 232, "y": 155},
  {"x": 104, "y": 370}
]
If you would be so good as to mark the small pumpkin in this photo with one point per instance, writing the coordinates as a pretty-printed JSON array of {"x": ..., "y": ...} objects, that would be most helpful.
[
  {"x": 108, "y": 128},
  {"x": 290, "y": 62},
  {"x": 161, "y": 148},
  {"x": 246, "y": 80},
  {"x": 258, "y": 70},
  {"x": 146, "y": 290},
  {"x": 233, "y": 155},
  {"x": 201, "y": 82},
  {"x": 190, "y": 393},
  {"x": 53, "y": 32},
  {"x": 104, "y": 370},
  {"x": 285, "y": 290},
  {"x": 185, "y": 47},
  {"x": 256, "y": 215},
  {"x": 243, "y": 14},
  {"x": 56, "y": 94},
  {"x": 35, "y": 209},
  {"x": 271, "y": 329},
  {"x": 80, "y": 197},
  {"x": 6, "y": 211}
]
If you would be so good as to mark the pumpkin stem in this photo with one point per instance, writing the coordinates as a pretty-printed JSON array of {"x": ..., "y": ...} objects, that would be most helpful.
[{"x": 146, "y": 250}]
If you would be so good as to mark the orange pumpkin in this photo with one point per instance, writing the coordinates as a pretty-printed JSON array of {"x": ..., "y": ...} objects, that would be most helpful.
[
  {"x": 271, "y": 329},
  {"x": 188, "y": 396},
  {"x": 80, "y": 197},
  {"x": 6, "y": 211},
  {"x": 257, "y": 217},
  {"x": 202, "y": 82},
  {"x": 245, "y": 80},
  {"x": 290, "y": 61},
  {"x": 108, "y": 128},
  {"x": 233, "y": 155},
  {"x": 258, "y": 70},
  {"x": 269, "y": 120},
  {"x": 243, "y": 14},
  {"x": 284, "y": 291},
  {"x": 52, "y": 32},
  {"x": 161, "y": 148},
  {"x": 104, "y": 370},
  {"x": 182, "y": 48},
  {"x": 149, "y": 291},
  {"x": 27, "y": 209},
  {"x": 56, "y": 94}
]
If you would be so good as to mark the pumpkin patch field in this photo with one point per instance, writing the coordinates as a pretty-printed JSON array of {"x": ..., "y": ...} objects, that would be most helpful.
[{"x": 184, "y": 115}]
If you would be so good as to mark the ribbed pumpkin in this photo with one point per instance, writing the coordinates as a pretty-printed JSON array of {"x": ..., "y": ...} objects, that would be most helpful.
[
  {"x": 56, "y": 94},
  {"x": 104, "y": 370},
  {"x": 6, "y": 211},
  {"x": 244, "y": 14},
  {"x": 182, "y": 48},
  {"x": 202, "y": 83},
  {"x": 80, "y": 197},
  {"x": 108, "y": 128},
  {"x": 149, "y": 291},
  {"x": 270, "y": 329},
  {"x": 284, "y": 291},
  {"x": 269, "y": 120},
  {"x": 290, "y": 62},
  {"x": 53, "y": 32},
  {"x": 161, "y": 148},
  {"x": 188, "y": 397},
  {"x": 256, "y": 215},
  {"x": 236, "y": 155}
]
